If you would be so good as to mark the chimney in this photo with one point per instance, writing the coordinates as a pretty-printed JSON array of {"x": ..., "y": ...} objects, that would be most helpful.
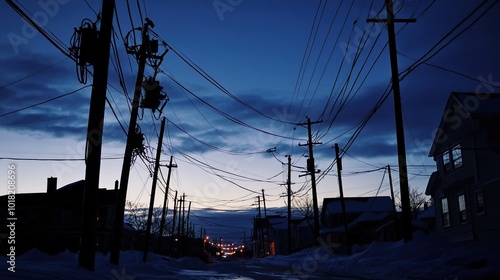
[
  {"x": 116, "y": 185},
  {"x": 51, "y": 184}
]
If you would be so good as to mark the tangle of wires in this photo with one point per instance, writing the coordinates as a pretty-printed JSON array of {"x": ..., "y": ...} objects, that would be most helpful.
[
  {"x": 83, "y": 48},
  {"x": 138, "y": 144}
]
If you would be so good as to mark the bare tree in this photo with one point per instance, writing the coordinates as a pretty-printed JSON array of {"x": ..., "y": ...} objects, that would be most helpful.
[
  {"x": 136, "y": 214},
  {"x": 304, "y": 206},
  {"x": 417, "y": 201}
]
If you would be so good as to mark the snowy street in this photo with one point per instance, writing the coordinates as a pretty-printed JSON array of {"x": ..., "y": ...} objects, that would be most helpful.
[
  {"x": 425, "y": 257},
  {"x": 36, "y": 265}
]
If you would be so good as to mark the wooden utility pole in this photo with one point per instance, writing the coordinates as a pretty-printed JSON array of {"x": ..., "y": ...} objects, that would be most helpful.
[
  {"x": 183, "y": 215},
  {"x": 403, "y": 172},
  {"x": 189, "y": 231},
  {"x": 153, "y": 192},
  {"x": 261, "y": 231},
  {"x": 289, "y": 196},
  {"x": 264, "y": 200},
  {"x": 165, "y": 199},
  {"x": 86, "y": 257},
  {"x": 173, "y": 225},
  {"x": 129, "y": 148},
  {"x": 342, "y": 200},
  {"x": 393, "y": 198},
  {"x": 312, "y": 171}
]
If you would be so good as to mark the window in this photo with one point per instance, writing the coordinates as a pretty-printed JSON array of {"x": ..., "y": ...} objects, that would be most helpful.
[
  {"x": 452, "y": 159},
  {"x": 462, "y": 211},
  {"x": 479, "y": 202},
  {"x": 445, "y": 212},
  {"x": 446, "y": 161},
  {"x": 456, "y": 156}
]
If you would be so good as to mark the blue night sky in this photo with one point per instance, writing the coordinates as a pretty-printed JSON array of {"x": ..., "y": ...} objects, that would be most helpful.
[{"x": 278, "y": 61}]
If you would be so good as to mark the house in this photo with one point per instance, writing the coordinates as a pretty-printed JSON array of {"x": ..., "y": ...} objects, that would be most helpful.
[
  {"x": 363, "y": 216},
  {"x": 465, "y": 187},
  {"x": 271, "y": 235},
  {"x": 51, "y": 221}
]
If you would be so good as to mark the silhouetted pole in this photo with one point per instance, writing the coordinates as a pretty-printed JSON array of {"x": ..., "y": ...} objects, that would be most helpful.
[
  {"x": 153, "y": 192},
  {"x": 173, "y": 225},
  {"x": 86, "y": 257},
  {"x": 403, "y": 172},
  {"x": 164, "y": 211},
  {"x": 179, "y": 212},
  {"x": 261, "y": 234},
  {"x": 289, "y": 195},
  {"x": 129, "y": 148},
  {"x": 189, "y": 225},
  {"x": 342, "y": 200},
  {"x": 312, "y": 171},
  {"x": 393, "y": 199},
  {"x": 183, "y": 215},
  {"x": 264, "y": 201}
]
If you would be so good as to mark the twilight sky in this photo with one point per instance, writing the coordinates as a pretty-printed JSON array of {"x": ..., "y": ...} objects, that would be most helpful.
[{"x": 277, "y": 62}]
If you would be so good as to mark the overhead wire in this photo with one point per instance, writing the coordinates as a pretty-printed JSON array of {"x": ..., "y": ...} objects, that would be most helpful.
[{"x": 43, "y": 102}]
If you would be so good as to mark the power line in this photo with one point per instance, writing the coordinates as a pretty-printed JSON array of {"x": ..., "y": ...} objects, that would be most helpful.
[
  {"x": 53, "y": 40},
  {"x": 43, "y": 102},
  {"x": 54, "y": 159},
  {"x": 33, "y": 74},
  {"x": 427, "y": 56}
]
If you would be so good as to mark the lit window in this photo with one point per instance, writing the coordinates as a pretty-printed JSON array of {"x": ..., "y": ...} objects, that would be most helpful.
[
  {"x": 446, "y": 161},
  {"x": 456, "y": 155},
  {"x": 445, "y": 212},
  {"x": 480, "y": 202},
  {"x": 462, "y": 211}
]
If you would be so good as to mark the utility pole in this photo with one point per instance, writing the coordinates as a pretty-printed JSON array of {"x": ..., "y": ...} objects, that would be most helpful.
[
  {"x": 403, "y": 172},
  {"x": 393, "y": 198},
  {"x": 264, "y": 200},
  {"x": 312, "y": 171},
  {"x": 173, "y": 225},
  {"x": 164, "y": 211},
  {"x": 289, "y": 195},
  {"x": 153, "y": 192},
  {"x": 189, "y": 226},
  {"x": 342, "y": 200},
  {"x": 86, "y": 258},
  {"x": 258, "y": 201},
  {"x": 127, "y": 158},
  {"x": 183, "y": 215},
  {"x": 261, "y": 231}
]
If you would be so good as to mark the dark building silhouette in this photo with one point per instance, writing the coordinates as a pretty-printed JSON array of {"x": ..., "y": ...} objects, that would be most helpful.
[
  {"x": 51, "y": 221},
  {"x": 364, "y": 217},
  {"x": 466, "y": 186}
]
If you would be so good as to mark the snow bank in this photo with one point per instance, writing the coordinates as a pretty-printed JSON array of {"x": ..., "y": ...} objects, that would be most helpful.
[{"x": 425, "y": 257}]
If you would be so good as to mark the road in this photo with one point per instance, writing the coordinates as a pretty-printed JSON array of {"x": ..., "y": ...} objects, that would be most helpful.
[{"x": 253, "y": 270}]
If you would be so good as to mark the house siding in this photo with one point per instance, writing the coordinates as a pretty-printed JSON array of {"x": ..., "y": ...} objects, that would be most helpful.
[
  {"x": 479, "y": 137},
  {"x": 488, "y": 161},
  {"x": 487, "y": 224}
]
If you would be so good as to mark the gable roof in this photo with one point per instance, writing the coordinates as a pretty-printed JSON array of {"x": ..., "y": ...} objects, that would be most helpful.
[{"x": 466, "y": 104}]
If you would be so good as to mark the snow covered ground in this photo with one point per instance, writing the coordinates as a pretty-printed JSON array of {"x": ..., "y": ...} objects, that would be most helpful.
[{"x": 425, "y": 257}]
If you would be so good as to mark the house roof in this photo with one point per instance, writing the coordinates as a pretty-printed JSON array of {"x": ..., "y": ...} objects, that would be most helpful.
[
  {"x": 358, "y": 204},
  {"x": 279, "y": 222},
  {"x": 464, "y": 105},
  {"x": 433, "y": 183}
]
